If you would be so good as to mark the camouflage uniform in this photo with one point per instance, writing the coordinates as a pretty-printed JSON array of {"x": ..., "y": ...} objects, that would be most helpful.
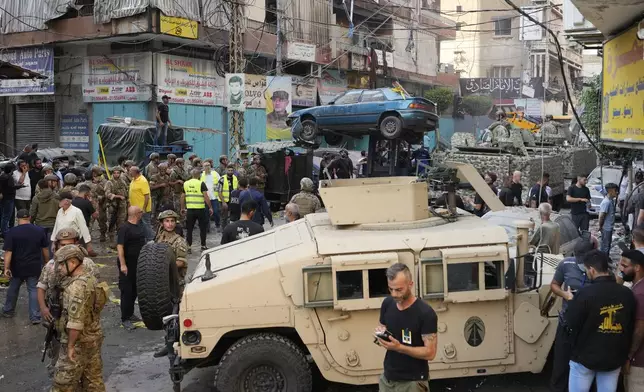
[
  {"x": 100, "y": 203},
  {"x": 117, "y": 208},
  {"x": 70, "y": 184},
  {"x": 178, "y": 173},
  {"x": 160, "y": 196},
  {"x": 178, "y": 245},
  {"x": 83, "y": 301},
  {"x": 306, "y": 201},
  {"x": 260, "y": 173}
]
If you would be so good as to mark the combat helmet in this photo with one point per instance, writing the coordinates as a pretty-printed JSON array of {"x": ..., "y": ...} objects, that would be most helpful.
[
  {"x": 154, "y": 155},
  {"x": 306, "y": 184},
  {"x": 116, "y": 168},
  {"x": 67, "y": 233},
  {"x": 168, "y": 214},
  {"x": 70, "y": 179}
]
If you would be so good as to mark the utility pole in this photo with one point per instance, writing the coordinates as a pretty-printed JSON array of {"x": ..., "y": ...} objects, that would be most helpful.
[
  {"x": 278, "y": 49},
  {"x": 237, "y": 65}
]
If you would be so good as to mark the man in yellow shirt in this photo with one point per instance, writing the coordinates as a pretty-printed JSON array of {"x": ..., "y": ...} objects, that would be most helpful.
[{"x": 140, "y": 197}]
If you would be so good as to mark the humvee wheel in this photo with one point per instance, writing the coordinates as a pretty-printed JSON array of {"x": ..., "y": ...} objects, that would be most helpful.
[
  {"x": 264, "y": 362},
  {"x": 156, "y": 282}
]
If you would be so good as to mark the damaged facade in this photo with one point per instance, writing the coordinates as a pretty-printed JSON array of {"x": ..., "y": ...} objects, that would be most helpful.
[{"x": 109, "y": 58}]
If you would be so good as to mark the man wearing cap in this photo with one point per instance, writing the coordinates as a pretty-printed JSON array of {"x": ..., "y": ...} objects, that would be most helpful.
[
  {"x": 71, "y": 217},
  {"x": 116, "y": 194},
  {"x": 570, "y": 276},
  {"x": 306, "y": 201},
  {"x": 79, "y": 327},
  {"x": 607, "y": 216},
  {"x": 277, "y": 118},
  {"x": 632, "y": 268},
  {"x": 48, "y": 280},
  {"x": 163, "y": 121},
  {"x": 153, "y": 167},
  {"x": 26, "y": 250},
  {"x": 44, "y": 206}
]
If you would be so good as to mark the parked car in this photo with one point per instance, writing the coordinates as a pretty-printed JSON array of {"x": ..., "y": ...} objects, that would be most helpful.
[{"x": 357, "y": 112}]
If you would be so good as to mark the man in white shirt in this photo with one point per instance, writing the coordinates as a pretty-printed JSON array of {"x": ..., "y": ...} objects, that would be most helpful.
[
  {"x": 21, "y": 178},
  {"x": 71, "y": 217},
  {"x": 211, "y": 179}
]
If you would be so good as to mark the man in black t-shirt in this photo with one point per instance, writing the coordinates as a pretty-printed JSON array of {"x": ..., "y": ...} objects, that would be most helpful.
[
  {"x": 82, "y": 203},
  {"x": 412, "y": 325},
  {"x": 538, "y": 193},
  {"x": 578, "y": 196},
  {"x": 244, "y": 227},
  {"x": 163, "y": 120},
  {"x": 130, "y": 240},
  {"x": 234, "y": 207}
]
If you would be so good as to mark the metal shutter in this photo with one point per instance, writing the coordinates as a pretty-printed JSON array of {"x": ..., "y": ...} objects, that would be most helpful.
[{"x": 35, "y": 123}]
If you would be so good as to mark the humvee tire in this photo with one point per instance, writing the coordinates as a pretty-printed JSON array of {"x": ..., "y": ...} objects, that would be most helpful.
[
  {"x": 267, "y": 358},
  {"x": 156, "y": 282}
]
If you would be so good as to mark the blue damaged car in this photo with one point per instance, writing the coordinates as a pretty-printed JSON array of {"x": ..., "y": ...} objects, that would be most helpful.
[{"x": 360, "y": 112}]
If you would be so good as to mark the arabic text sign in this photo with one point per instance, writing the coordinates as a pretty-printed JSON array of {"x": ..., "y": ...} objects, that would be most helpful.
[
  {"x": 301, "y": 52},
  {"x": 188, "y": 81},
  {"x": 305, "y": 91},
  {"x": 254, "y": 91},
  {"x": 38, "y": 59},
  {"x": 623, "y": 88},
  {"x": 494, "y": 87},
  {"x": 179, "y": 27},
  {"x": 74, "y": 132},
  {"x": 330, "y": 85},
  {"x": 117, "y": 78}
]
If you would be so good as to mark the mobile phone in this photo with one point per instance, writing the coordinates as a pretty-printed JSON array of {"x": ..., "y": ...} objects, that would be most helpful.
[{"x": 385, "y": 335}]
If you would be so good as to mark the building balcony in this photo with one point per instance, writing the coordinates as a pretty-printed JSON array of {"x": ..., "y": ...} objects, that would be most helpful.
[
  {"x": 443, "y": 27},
  {"x": 613, "y": 16}
]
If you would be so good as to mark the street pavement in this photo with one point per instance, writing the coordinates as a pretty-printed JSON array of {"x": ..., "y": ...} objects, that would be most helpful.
[{"x": 128, "y": 364}]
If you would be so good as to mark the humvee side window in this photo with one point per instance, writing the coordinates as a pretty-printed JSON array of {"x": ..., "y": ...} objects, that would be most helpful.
[
  {"x": 494, "y": 275},
  {"x": 378, "y": 286},
  {"x": 434, "y": 284},
  {"x": 349, "y": 284},
  {"x": 318, "y": 285},
  {"x": 462, "y": 277}
]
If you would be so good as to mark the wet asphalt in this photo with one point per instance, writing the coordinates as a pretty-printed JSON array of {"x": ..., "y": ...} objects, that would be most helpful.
[{"x": 128, "y": 364}]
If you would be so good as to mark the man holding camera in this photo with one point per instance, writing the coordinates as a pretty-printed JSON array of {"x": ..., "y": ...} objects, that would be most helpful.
[{"x": 407, "y": 329}]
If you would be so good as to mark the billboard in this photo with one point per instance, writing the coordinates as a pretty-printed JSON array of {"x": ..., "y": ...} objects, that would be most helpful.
[
  {"x": 37, "y": 59},
  {"x": 117, "y": 78},
  {"x": 623, "y": 89},
  {"x": 235, "y": 92},
  {"x": 278, "y": 107},
  {"x": 188, "y": 81}
]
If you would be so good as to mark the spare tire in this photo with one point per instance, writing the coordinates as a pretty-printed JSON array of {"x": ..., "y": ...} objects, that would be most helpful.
[{"x": 157, "y": 284}]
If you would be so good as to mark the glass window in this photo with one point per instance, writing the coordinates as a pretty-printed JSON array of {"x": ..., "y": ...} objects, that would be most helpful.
[
  {"x": 348, "y": 98},
  {"x": 372, "y": 96},
  {"x": 378, "y": 286},
  {"x": 434, "y": 278},
  {"x": 462, "y": 277},
  {"x": 320, "y": 286},
  {"x": 503, "y": 26},
  {"x": 494, "y": 275},
  {"x": 349, "y": 284}
]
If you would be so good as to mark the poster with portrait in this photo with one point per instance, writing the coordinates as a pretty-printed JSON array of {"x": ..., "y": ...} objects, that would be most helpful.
[
  {"x": 235, "y": 92},
  {"x": 278, "y": 107}
]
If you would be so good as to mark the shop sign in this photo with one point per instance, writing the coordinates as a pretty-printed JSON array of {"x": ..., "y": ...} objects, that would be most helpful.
[
  {"x": 254, "y": 91},
  {"x": 179, "y": 27},
  {"x": 37, "y": 59},
  {"x": 117, "y": 78},
  {"x": 74, "y": 132},
  {"x": 188, "y": 81},
  {"x": 301, "y": 52}
]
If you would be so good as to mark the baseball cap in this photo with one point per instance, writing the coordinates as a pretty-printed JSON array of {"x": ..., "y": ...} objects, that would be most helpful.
[{"x": 22, "y": 214}]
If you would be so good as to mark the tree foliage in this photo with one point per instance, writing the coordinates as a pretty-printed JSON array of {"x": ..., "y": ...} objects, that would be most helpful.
[
  {"x": 590, "y": 101},
  {"x": 477, "y": 105},
  {"x": 441, "y": 96}
]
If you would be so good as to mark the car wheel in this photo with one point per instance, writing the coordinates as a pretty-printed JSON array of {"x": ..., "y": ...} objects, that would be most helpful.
[
  {"x": 391, "y": 127},
  {"x": 263, "y": 362},
  {"x": 332, "y": 139},
  {"x": 156, "y": 282},
  {"x": 309, "y": 130}
]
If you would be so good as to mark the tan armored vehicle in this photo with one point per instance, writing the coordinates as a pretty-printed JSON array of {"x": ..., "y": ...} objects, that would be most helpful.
[{"x": 271, "y": 309}]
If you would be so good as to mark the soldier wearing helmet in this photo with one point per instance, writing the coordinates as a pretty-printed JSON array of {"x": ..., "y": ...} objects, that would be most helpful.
[
  {"x": 178, "y": 176},
  {"x": 116, "y": 193},
  {"x": 307, "y": 202},
  {"x": 223, "y": 164},
  {"x": 99, "y": 200},
  {"x": 171, "y": 160},
  {"x": 258, "y": 171},
  {"x": 70, "y": 184},
  {"x": 153, "y": 167},
  {"x": 160, "y": 188},
  {"x": 125, "y": 176}
]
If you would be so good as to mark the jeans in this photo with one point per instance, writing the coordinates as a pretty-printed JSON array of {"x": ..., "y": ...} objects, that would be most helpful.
[
  {"x": 582, "y": 221},
  {"x": 192, "y": 216},
  {"x": 215, "y": 209},
  {"x": 6, "y": 208},
  {"x": 147, "y": 226},
  {"x": 162, "y": 133},
  {"x": 12, "y": 297},
  {"x": 607, "y": 238},
  {"x": 581, "y": 378}
]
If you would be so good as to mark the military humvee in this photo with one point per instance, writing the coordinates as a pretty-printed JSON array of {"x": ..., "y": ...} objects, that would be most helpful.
[{"x": 270, "y": 309}]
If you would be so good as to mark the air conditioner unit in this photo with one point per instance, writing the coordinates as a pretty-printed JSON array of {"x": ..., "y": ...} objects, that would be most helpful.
[{"x": 316, "y": 70}]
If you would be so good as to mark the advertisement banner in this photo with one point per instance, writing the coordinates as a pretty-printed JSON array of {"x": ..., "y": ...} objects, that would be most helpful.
[
  {"x": 188, "y": 81},
  {"x": 74, "y": 132},
  {"x": 179, "y": 27},
  {"x": 301, "y": 52},
  {"x": 330, "y": 85},
  {"x": 623, "y": 82},
  {"x": 254, "y": 91},
  {"x": 117, "y": 78},
  {"x": 305, "y": 91},
  {"x": 235, "y": 92},
  {"x": 39, "y": 59},
  {"x": 278, "y": 107}
]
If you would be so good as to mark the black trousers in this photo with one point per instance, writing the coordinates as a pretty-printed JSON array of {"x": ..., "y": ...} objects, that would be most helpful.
[
  {"x": 127, "y": 287},
  {"x": 192, "y": 216},
  {"x": 560, "y": 363},
  {"x": 582, "y": 221}
]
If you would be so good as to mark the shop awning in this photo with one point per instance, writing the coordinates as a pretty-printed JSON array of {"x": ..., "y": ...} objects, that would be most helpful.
[{"x": 12, "y": 71}]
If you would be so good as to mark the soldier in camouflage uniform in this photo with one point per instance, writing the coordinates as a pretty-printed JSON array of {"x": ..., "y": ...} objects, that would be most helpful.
[
  {"x": 258, "y": 171},
  {"x": 172, "y": 159},
  {"x": 244, "y": 168},
  {"x": 160, "y": 189},
  {"x": 167, "y": 235},
  {"x": 79, "y": 366},
  {"x": 47, "y": 281},
  {"x": 306, "y": 201},
  {"x": 177, "y": 177},
  {"x": 70, "y": 184},
  {"x": 99, "y": 200},
  {"x": 153, "y": 167},
  {"x": 116, "y": 193},
  {"x": 223, "y": 164},
  {"x": 125, "y": 176},
  {"x": 504, "y": 136}
]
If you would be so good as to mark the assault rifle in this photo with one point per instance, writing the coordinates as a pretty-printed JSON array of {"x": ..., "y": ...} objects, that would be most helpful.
[{"x": 53, "y": 302}]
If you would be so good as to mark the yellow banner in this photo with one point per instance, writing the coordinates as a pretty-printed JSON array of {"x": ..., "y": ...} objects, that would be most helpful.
[
  {"x": 179, "y": 27},
  {"x": 623, "y": 89}
]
